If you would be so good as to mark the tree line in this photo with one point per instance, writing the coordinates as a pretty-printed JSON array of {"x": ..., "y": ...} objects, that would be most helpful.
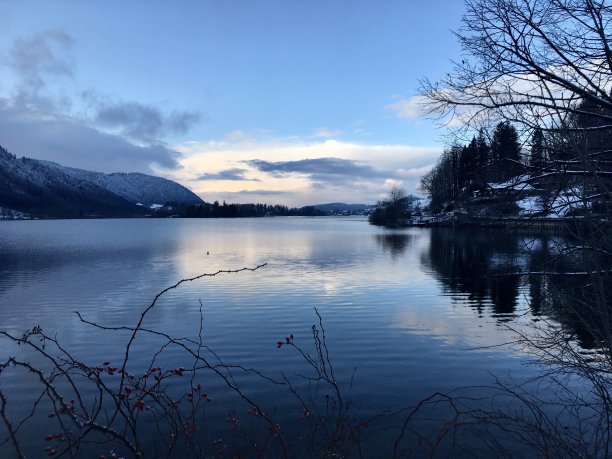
[
  {"x": 225, "y": 210},
  {"x": 467, "y": 168},
  {"x": 551, "y": 158}
]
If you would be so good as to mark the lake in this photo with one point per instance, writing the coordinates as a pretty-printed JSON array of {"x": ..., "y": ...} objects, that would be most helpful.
[{"x": 406, "y": 313}]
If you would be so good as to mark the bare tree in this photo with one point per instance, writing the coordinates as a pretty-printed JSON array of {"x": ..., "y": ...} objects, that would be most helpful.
[
  {"x": 546, "y": 67},
  {"x": 542, "y": 65},
  {"x": 393, "y": 211},
  {"x": 529, "y": 61}
]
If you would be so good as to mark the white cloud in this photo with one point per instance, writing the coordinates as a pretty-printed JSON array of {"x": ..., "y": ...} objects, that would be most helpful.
[
  {"x": 390, "y": 183},
  {"x": 410, "y": 109},
  {"x": 524, "y": 97},
  {"x": 327, "y": 133},
  {"x": 294, "y": 171}
]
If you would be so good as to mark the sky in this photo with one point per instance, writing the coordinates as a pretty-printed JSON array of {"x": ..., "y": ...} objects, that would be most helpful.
[{"x": 295, "y": 102}]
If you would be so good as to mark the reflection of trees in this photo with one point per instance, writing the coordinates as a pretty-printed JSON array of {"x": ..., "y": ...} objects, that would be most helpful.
[
  {"x": 564, "y": 295},
  {"x": 471, "y": 263},
  {"x": 573, "y": 301},
  {"x": 395, "y": 243},
  {"x": 482, "y": 265},
  {"x": 504, "y": 291}
]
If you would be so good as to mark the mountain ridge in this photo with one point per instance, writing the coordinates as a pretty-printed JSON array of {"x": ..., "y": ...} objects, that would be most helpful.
[
  {"x": 134, "y": 186},
  {"x": 46, "y": 189}
]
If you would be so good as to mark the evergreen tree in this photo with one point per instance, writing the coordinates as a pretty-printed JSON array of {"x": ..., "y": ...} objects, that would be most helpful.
[
  {"x": 481, "y": 163},
  {"x": 537, "y": 156},
  {"x": 505, "y": 155},
  {"x": 470, "y": 161},
  {"x": 456, "y": 179}
]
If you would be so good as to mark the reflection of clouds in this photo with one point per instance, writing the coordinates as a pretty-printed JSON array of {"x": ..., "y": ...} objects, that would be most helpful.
[
  {"x": 332, "y": 287},
  {"x": 104, "y": 268},
  {"x": 337, "y": 262},
  {"x": 378, "y": 307},
  {"x": 454, "y": 326},
  {"x": 330, "y": 253}
]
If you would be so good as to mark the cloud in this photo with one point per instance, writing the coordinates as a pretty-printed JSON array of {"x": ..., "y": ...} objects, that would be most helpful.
[
  {"x": 410, "y": 109},
  {"x": 33, "y": 59},
  {"x": 181, "y": 122},
  {"x": 68, "y": 141},
  {"x": 301, "y": 171},
  {"x": 35, "y": 122},
  {"x": 228, "y": 174},
  {"x": 320, "y": 169},
  {"x": 390, "y": 183},
  {"x": 261, "y": 192},
  {"x": 327, "y": 133},
  {"x": 143, "y": 122}
]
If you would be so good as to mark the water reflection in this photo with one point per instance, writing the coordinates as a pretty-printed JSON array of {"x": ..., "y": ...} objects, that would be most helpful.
[
  {"x": 379, "y": 294},
  {"x": 479, "y": 265},
  {"x": 394, "y": 243},
  {"x": 492, "y": 270},
  {"x": 50, "y": 268}
]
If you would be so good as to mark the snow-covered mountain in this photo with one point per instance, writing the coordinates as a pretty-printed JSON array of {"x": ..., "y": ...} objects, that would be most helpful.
[
  {"x": 133, "y": 186},
  {"x": 46, "y": 189}
]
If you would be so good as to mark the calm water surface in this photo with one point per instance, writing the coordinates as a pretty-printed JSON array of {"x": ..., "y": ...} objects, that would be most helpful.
[{"x": 411, "y": 311}]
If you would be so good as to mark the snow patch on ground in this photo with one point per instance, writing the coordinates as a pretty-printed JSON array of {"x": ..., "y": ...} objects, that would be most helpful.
[
  {"x": 518, "y": 183},
  {"x": 530, "y": 205}
]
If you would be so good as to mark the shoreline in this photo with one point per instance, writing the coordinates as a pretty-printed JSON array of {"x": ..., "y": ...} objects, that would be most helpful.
[{"x": 530, "y": 223}]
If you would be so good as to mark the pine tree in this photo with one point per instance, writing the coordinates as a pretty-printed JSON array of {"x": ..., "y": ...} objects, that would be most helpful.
[
  {"x": 537, "y": 156},
  {"x": 505, "y": 152},
  {"x": 482, "y": 157}
]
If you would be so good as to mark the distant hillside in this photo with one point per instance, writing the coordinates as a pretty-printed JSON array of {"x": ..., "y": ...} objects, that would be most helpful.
[
  {"x": 340, "y": 207},
  {"x": 49, "y": 190},
  {"x": 135, "y": 187}
]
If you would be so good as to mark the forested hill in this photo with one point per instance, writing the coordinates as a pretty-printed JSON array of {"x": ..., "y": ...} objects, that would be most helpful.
[
  {"x": 135, "y": 187},
  {"x": 49, "y": 190}
]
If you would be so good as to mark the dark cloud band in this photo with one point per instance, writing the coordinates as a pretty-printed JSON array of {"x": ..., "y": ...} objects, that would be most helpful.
[
  {"x": 228, "y": 174},
  {"x": 72, "y": 143},
  {"x": 35, "y": 123},
  {"x": 317, "y": 167},
  {"x": 144, "y": 122}
]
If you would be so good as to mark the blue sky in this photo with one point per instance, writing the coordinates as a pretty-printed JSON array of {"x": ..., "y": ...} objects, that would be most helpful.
[{"x": 294, "y": 102}]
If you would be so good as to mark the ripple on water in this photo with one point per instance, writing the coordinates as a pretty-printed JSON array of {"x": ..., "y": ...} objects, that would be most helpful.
[{"x": 397, "y": 309}]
